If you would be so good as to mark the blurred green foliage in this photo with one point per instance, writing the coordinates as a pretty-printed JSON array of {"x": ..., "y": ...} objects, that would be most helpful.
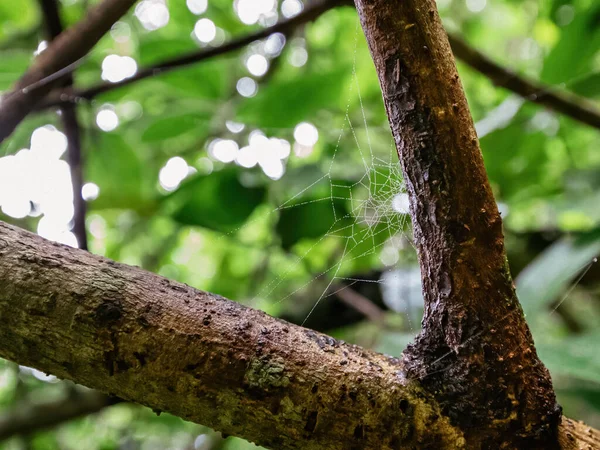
[{"x": 278, "y": 244}]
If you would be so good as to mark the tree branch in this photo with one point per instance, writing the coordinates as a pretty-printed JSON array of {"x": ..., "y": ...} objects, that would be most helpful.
[
  {"x": 578, "y": 108},
  {"x": 72, "y": 131},
  {"x": 360, "y": 303},
  {"x": 472, "y": 379},
  {"x": 206, "y": 359},
  {"x": 61, "y": 54},
  {"x": 163, "y": 344},
  {"x": 29, "y": 418},
  {"x": 474, "y": 333},
  {"x": 312, "y": 12}
]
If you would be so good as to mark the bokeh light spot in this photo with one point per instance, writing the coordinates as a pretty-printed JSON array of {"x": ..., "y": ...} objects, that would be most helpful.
[
  {"x": 152, "y": 14},
  {"x": 116, "y": 68},
  {"x": 257, "y": 65},
  {"x": 197, "y": 6},
  {"x": 90, "y": 191},
  {"x": 247, "y": 87},
  {"x": 205, "y": 30},
  {"x": 107, "y": 119},
  {"x": 306, "y": 134},
  {"x": 173, "y": 173}
]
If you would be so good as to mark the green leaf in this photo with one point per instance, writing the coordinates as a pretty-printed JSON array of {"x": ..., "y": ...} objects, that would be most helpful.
[
  {"x": 555, "y": 6},
  {"x": 573, "y": 55},
  {"x": 573, "y": 356},
  {"x": 285, "y": 103},
  {"x": 209, "y": 79},
  {"x": 118, "y": 172},
  {"x": 587, "y": 86},
  {"x": 174, "y": 126},
  {"x": 217, "y": 201},
  {"x": 152, "y": 51},
  {"x": 16, "y": 18},
  {"x": 588, "y": 392},
  {"x": 517, "y": 162},
  {"x": 311, "y": 218},
  {"x": 547, "y": 276},
  {"x": 12, "y": 66},
  {"x": 392, "y": 343}
]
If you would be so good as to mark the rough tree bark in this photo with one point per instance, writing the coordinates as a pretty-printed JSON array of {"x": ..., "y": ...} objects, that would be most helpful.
[
  {"x": 144, "y": 338},
  {"x": 475, "y": 353},
  {"x": 130, "y": 333},
  {"x": 471, "y": 380}
]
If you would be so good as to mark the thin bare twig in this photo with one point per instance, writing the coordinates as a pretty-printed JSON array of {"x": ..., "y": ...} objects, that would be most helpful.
[
  {"x": 72, "y": 131},
  {"x": 572, "y": 105},
  {"x": 361, "y": 304},
  {"x": 60, "y": 56},
  {"x": 578, "y": 108},
  {"x": 61, "y": 97}
]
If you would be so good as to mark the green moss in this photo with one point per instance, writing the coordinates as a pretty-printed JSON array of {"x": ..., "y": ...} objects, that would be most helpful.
[{"x": 265, "y": 373}]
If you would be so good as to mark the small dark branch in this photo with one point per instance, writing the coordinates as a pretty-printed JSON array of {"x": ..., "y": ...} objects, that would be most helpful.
[
  {"x": 333, "y": 312},
  {"x": 72, "y": 131},
  {"x": 26, "y": 419},
  {"x": 62, "y": 54},
  {"x": 52, "y": 16},
  {"x": 576, "y": 107},
  {"x": 361, "y": 304},
  {"x": 285, "y": 27}
]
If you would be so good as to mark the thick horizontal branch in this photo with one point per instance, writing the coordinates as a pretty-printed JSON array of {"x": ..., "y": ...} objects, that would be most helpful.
[
  {"x": 143, "y": 338},
  {"x": 578, "y": 108},
  {"x": 197, "y": 355},
  {"x": 62, "y": 53},
  {"x": 30, "y": 418},
  {"x": 286, "y": 26}
]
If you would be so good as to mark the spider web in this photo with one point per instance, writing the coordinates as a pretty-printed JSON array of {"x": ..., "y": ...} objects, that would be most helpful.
[
  {"x": 377, "y": 219},
  {"x": 374, "y": 224}
]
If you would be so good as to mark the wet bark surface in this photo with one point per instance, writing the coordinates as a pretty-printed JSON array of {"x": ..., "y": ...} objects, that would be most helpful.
[
  {"x": 475, "y": 353},
  {"x": 144, "y": 338}
]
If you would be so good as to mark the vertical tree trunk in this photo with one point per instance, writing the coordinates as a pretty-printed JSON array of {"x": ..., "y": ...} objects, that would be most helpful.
[{"x": 475, "y": 353}]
